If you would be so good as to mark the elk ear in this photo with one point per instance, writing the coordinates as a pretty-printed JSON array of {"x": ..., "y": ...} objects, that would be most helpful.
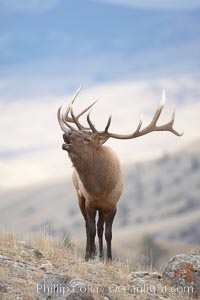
[{"x": 101, "y": 139}]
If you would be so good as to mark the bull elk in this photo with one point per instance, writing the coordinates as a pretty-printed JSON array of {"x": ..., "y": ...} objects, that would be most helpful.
[{"x": 97, "y": 174}]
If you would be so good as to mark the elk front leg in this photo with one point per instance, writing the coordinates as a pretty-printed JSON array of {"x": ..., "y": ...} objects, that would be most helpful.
[
  {"x": 108, "y": 232},
  {"x": 81, "y": 202},
  {"x": 91, "y": 231},
  {"x": 87, "y": 250},
  {"x": 100, "y": 226}
]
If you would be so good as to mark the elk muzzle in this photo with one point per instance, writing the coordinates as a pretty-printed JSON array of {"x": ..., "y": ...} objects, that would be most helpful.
[{"x": 66, "y": 137}]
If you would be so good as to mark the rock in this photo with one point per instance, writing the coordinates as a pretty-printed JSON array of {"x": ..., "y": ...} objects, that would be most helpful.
[
  {"x": 62, "y": 287},
  {"x": 3, "y": 288},
  {"x": 48, "y": 267},
  {"x": 140, "y": 274},
  {"x": 37, "y": 253},
  {"x": 183, "y": 271},
  {"x": 19, "y": 265},
  {"x": 24, "y": 253},
  {"x": 155, "y": 275}
]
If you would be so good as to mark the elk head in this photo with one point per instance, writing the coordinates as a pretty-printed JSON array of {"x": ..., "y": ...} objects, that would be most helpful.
[{"x": 82, "y": 137}]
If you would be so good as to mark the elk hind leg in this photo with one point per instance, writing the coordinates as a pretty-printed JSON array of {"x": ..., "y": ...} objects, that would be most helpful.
[
  {"x": 100, "y": 227},
  {"x": 108, "y": 232}
]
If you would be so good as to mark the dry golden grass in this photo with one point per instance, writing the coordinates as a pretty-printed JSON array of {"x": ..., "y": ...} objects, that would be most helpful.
[{"x": 22, "y": 268}]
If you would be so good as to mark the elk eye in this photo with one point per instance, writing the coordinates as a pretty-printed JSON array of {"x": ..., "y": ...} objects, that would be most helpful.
[{"x": 86, "y": 141}]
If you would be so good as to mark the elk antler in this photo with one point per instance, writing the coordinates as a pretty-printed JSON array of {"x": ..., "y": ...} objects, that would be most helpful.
[
  {"x": 151, "y": 127},
  {"x": 64, "y": 120},
  {"x": 63, "y": 115}
]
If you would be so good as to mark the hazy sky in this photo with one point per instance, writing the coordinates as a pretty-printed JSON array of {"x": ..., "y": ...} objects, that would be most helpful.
[
  {"x": 51, "y": 47},
  {"x": 124, "y": 52},
  {"x": 156, "y": 4}
]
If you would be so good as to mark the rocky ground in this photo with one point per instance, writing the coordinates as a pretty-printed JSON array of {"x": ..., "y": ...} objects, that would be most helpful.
[{"x": 42, "y": 268}]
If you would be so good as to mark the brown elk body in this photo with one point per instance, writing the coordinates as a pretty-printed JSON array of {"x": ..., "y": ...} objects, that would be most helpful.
[{"x": 97, "y": 175}]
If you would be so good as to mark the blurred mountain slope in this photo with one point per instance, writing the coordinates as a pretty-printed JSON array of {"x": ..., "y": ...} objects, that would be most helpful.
[{"x": 160, "y": 198}]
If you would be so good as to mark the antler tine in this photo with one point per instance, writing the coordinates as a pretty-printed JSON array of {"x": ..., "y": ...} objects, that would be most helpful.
[
  {"x": 91, "y": 124},
  {"x": 73, "y": 118},
  {"x": 76, "y": 94},
  {"x": 159, "y": 109},
  {"x": 64, "y": 120},
  {"x": 66, "y": 117},
  {"x": 94, "y": 130},
  {"x": 151, "y": 127},
  {"x": 139, "y": 124},
  {"x": 169, "y": 125},
  {"x": 86, "y": 109},
  {"x": 61, "y": 121},
  {"x": 69, "y": 119},
  {"x": 108, "y": 124}
]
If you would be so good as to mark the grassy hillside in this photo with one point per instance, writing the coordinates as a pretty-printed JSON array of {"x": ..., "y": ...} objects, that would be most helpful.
[{"x": 24, "y": 265}]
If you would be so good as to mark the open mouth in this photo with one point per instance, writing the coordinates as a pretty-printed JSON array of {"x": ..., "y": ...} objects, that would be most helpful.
[{"x": 66, "y": 146}]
